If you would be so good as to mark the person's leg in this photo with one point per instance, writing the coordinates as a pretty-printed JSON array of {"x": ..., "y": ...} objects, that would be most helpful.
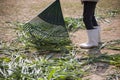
[{"x": 88, "y": 13}]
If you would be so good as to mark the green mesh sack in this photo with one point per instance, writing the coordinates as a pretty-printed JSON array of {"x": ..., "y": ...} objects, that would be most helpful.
[{"x": 47, "y": 31}]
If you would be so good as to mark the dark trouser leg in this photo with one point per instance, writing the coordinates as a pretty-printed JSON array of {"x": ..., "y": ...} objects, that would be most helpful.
[
  {"x": 94, "y": 21},
  {"x": 88, "y": 15}
]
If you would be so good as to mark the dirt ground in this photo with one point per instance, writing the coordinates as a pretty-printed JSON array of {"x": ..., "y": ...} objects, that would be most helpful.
[
  {"x": 109, "y": 31},
  {"x": 25, "y": 10}
]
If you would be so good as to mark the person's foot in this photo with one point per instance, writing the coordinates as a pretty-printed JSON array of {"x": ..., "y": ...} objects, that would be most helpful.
[
  {"x": 92, "y": 39},
  {"x": 87, "y": 46}
]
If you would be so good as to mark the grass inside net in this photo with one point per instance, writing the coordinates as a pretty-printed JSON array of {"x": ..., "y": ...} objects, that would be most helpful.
[
  {"x": 47, "y": 31},
  {"x": 45, "y": 36}
]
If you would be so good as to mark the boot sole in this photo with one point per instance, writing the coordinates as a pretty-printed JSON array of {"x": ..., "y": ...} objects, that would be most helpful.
[{"x": 88, "y": 47}]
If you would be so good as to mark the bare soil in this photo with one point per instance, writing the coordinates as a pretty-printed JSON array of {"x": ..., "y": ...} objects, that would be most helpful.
[{"x": 25, "y": 10}]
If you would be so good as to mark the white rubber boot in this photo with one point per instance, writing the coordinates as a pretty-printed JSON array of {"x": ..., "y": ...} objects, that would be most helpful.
[
  {"x": 92, "y": 39},
  {"x": 99, "y": 36}
]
